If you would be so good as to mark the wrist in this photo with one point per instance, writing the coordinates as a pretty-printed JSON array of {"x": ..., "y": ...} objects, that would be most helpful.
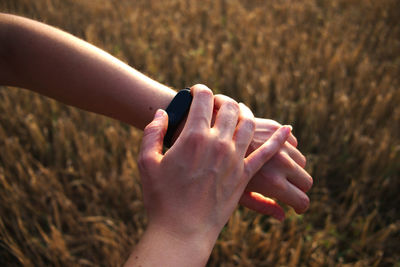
[{"x": 160, "y": 247}]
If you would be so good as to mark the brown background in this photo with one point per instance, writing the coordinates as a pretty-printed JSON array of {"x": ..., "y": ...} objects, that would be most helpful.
[{"x": 69, "y": 187}]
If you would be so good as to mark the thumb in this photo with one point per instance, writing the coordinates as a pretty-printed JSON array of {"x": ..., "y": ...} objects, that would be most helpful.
[
  {"x": 153, "y": 134},
  {"x": 264, "y": 153}
]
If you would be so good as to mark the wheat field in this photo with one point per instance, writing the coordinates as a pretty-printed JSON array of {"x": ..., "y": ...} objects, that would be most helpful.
[{"x": 69, "y": 186}]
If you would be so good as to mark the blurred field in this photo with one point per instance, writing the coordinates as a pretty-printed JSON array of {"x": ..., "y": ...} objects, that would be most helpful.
[{"x": 69, "y": 187}]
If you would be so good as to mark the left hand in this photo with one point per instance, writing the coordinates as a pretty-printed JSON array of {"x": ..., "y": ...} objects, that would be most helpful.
[{"x": 282, "y": 178}]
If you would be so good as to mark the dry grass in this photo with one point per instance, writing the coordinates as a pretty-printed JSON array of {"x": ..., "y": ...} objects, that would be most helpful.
[{"x": 69, "y": 186}]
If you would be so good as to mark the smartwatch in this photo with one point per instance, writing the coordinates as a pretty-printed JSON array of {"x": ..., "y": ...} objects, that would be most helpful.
[{"x": 177, "y": 111}]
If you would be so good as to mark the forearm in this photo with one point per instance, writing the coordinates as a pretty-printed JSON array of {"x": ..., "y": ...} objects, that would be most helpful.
[{"x": 56, "y": 64}]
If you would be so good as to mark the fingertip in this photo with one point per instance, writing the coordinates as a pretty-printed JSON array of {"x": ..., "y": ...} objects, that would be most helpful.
[
  {"x": 160, "y": 113},
  {"x": 287, "y": 128},
  {"x": 285, "y": 131},
  {"x": 202, "y": 89},
  {"x": 304, "y": 204}
]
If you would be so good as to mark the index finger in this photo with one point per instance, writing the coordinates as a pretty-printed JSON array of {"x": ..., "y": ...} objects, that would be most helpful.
[
  {"x": 261, "y": 155},
  {"x": 265, "y": 126},
  {"x": 201, "y": 110}
]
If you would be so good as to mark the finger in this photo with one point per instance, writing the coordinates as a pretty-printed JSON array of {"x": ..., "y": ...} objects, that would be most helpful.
[
  {"x": 295, "y": 154},
  {"x": 201, "y": 109},
  {"x": 292, "y": 140},
  {"x": 153, "y": 134},
  {"x": 261, "y": 155},
  {"x": 221, "y": 99},
  {"x": 218, "y": 101},
  {"x": 226, "y": 120},
  {"x": 295, "y": 173},
  {"x": 295, "y": 198},
  {"x": 278, "y": 187},
  {"x": 244, "y": 130},
  {"x": 263, "y": 205},
  {"x": 265, "y": 126}
]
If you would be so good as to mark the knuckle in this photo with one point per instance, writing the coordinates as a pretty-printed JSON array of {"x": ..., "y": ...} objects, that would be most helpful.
[
  {"x": 243, "y": 146},
  {"x": 223, "y": 146},
  {"x": 146, "y": 162},
  {"x": 205, "y": 94},
  {"x": 223, "y": 98},
  {"x": 232, "y": 105},
  {"x": 196, "y": 137},
  {"x": 249, "y": 124},
  {"x": 246, "y": 110},
  {"x": 202, "y": 89},
  {"x": 151, "y": 128},
  {"x": 212, "y": 173},
  {"x": 231, "y": 101},
  {"x": 199, "y": 86}
]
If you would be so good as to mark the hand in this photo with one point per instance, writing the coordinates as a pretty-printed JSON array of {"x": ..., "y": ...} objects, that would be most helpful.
[
  {"x": 282, "y": 178},
  {"x": 191, "y": 191}
]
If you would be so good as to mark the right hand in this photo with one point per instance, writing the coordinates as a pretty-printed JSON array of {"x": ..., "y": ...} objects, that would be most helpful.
[{"x": 192, "y": 189}]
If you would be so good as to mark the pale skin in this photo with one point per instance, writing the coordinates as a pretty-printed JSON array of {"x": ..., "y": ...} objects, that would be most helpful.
[
  {"x": 190, "y": 191},
  {"x": 56, "y": 64}
]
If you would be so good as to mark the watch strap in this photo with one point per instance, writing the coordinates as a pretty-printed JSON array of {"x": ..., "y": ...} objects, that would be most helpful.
[{"x": 177, "y": 111}]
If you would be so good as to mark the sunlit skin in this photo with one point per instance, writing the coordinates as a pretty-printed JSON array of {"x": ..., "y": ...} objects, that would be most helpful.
[
  {"x": 51, "y": 62},
  {"x": 191, "y": 191}
]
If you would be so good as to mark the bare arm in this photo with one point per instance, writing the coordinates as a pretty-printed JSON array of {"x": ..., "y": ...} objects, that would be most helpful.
[
  {"x": 51, "y": 62},
  {"x": 61, "y": 66}
]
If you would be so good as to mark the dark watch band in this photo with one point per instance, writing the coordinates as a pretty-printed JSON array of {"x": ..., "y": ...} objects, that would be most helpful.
[{"x": 177, "y": 110}]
